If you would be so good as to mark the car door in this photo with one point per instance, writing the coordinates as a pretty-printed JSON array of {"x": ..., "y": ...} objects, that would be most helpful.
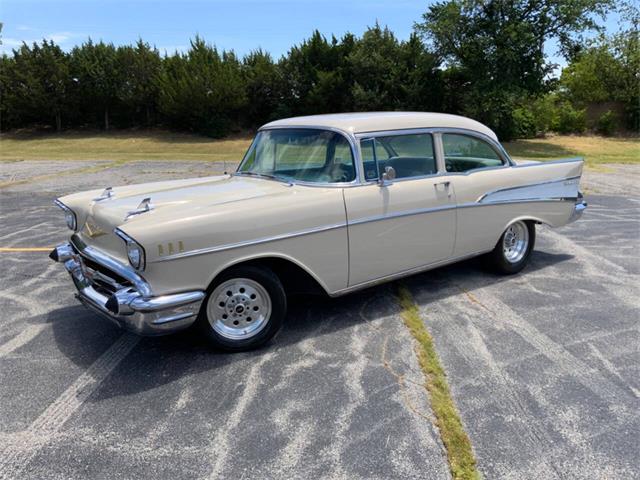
[{"x": 403, "y": 224}]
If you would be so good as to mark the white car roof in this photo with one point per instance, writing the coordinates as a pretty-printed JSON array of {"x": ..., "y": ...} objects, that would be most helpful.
[{"x": 379, "y": 121}]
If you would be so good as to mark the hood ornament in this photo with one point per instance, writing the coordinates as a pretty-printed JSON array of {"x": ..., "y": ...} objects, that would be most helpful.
[
  {"x": 108, "y": 193},
  {"x": 144, "y": 207}
]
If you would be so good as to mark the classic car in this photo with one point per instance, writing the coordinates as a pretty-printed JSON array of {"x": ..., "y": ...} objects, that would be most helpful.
[{"x": 334, "y": 203}]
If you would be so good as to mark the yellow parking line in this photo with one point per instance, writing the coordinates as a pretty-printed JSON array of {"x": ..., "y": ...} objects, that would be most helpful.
[{"x": 25, "y": 249}]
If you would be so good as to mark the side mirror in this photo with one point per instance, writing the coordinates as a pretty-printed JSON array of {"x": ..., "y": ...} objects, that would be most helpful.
[{"x": 388, "y": 176}]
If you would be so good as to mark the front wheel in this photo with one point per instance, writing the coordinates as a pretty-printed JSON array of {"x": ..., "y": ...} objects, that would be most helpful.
[
  {"x": 514, "y": 248},
  {"x": 245, "y": 308}
]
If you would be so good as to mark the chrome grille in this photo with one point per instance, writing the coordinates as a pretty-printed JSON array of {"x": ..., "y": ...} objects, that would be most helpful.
[{"x": 102, "y": 278}]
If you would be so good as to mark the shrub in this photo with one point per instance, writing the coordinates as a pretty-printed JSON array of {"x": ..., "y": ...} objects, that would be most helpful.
[
  {"x": 570, "y": 120},
  {"x": 607, "y": 123},
  {"x": 524, "y": 123}
]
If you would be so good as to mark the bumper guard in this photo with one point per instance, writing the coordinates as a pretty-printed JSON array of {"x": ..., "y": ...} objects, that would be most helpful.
[{"x": 130, "y": 307}]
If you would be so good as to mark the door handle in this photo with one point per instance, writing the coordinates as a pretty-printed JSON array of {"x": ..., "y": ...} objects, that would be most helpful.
[{"x": 446, "y": 184}]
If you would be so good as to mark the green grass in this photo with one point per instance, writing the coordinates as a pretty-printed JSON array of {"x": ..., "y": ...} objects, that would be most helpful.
[
  {"x": 595, "y": 150},
  {"x": 462, "y": 462},
  {"x": 131, "y": 145},
  {"x": 121, "y": 146}
]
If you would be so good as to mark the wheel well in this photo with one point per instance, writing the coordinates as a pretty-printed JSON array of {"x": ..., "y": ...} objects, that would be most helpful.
[{"x": 294, "y": 278}]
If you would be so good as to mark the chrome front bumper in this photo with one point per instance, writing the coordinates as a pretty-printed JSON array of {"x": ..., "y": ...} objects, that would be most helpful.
[{"x": 130, "y": 306}]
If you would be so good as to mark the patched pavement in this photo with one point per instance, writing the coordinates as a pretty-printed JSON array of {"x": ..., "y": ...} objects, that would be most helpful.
[{"x": 543, "y": 365}]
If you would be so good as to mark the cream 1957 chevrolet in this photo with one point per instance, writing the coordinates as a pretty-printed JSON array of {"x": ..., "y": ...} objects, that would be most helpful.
[{"x": 336, "y": 202}]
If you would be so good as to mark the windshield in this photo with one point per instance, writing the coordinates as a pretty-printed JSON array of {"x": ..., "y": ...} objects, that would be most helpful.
[{"x": 309, "y": 155}]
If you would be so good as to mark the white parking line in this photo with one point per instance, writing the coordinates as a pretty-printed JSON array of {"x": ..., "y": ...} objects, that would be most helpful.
[
  {"x": 16, "y": 455},
  {"x": 24, "y": 337},
  {"x": 220, "y": 445}
]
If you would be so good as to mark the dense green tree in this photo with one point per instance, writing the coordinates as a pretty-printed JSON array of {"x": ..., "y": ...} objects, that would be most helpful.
[
  {"x": 318, "y": 75},
  {"x": 498, "y": 46},
  {"x": 139, "y": 68},
  {"x": 264, "y": 85},
  {"x": 608, "y": 69},
  {"x": 203, "y": 90},
  {"x": 97, "y": 73},
  {"x": 36, "y": 84}
]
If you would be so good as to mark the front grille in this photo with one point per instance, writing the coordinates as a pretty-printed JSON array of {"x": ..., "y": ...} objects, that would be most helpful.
[
  {"x": 102, "y": 279},
  {"x": 96, "y": 267}
]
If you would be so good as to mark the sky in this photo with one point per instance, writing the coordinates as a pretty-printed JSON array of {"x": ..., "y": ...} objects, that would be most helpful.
[{"x": 241, "y": 25}]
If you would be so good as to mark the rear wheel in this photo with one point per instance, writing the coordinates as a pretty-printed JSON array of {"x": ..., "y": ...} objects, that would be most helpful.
[
  {"x": 245, "y": 308},
  {"x": 513, "y": 250}
]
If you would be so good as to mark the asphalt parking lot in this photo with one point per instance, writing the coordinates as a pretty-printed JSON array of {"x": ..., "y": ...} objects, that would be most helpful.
[{"x": 544, "y": 365}]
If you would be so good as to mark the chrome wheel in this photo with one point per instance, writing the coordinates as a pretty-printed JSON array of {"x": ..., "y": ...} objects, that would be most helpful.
[
  {"x": 239, "y": 308},
  {"x": 515, "y": 242}
]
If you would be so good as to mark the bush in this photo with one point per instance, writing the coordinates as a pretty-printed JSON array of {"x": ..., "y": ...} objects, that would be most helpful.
[
  {"x": 607, "y": 123},
  {"x": 570, "y": 120},
  {"x": 524, "y": 123}
]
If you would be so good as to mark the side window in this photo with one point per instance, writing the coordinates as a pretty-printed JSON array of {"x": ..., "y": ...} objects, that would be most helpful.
[
  {"x": 463, "y": 153},
  {"x": 410, "y": 155}
]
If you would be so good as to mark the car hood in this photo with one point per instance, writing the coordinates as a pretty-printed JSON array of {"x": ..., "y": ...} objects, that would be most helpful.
[{"x": 169, "y": 201}]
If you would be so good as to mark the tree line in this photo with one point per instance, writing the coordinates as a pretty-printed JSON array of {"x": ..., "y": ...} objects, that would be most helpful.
[{"x": 480, "y": 58}]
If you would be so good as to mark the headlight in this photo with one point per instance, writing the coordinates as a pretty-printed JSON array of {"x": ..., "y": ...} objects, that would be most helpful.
[
  {"x": 69, "y": 216},
  {"x": 135, "y": 252},
  {"x": 71, "y": 219}
]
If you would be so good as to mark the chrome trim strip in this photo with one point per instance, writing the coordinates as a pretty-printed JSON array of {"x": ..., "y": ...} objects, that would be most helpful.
[
  {"x": 547, "y": 182},
  {"x": 509, "y": 202},
  {"x": 359, "y": 221},
  {"x": 247, "y": 243},
  {"x": 405, "y": 273},
  {"x": 405, "y": 213},
  {"x": 538, "y": 163},
  {"x": 113, "y": 264}
]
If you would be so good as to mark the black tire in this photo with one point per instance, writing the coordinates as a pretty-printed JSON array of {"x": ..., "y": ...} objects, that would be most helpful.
[
  {"x": 497, "y": 260},
  {"x": 271, "y": 325}
]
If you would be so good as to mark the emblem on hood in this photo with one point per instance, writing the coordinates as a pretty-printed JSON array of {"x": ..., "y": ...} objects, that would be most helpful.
[
  {"x": 144, "y": 207},
  {"x": 92, "y": 229}
]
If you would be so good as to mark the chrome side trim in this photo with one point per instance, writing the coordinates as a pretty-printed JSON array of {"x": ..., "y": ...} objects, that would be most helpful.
[
  {"x": 247, "y": 243},
  {"x": 359, "y": 221},
  {"x": 537, "y": 164},
  {"x": 111, "y": 263},
  {"x": 547, "y": 190},
  {"x": 510, "y": 202},
  {"x": 405, "y": 213},
  {"x": 405, "y": 273}
]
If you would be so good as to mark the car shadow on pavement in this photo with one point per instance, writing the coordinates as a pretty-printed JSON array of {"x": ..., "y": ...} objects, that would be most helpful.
[{"x": 156, "y": 361}]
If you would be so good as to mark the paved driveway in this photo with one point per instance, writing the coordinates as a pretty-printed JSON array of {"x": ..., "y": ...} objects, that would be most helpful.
[{"x": 543, "y": 365}]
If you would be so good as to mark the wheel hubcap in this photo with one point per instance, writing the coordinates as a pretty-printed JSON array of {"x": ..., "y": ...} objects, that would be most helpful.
[
  {"x": 515, "y": 242},
  {"x": 239, "y": 308}
]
